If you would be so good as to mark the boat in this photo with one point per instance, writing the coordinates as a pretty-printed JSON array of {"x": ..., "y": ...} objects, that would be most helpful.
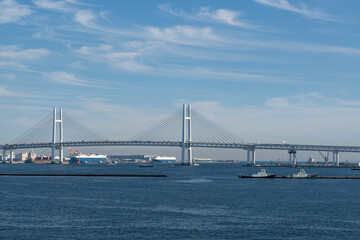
[
  {"x": 260, "y": 174},
  {"x": 164, "y": 159},
  {"x": 355, "y": 168},
  {"x": 302, "y": 174},
  {"x": 88, "y": 158}
]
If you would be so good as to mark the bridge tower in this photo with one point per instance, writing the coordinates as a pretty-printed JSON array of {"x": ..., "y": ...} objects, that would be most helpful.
[
  {"x": 61, "y": 133},
  {"x": 251, "y": 156},
  {"x": 186, "y": 153},
  {"x": 336, "y": 158},
  {"x": 4, "y": 155},
  {"x": 292, "y": 157}
]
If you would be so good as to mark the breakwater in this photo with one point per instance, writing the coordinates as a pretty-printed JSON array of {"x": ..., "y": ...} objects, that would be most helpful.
[{"x": 80, "y": 175}]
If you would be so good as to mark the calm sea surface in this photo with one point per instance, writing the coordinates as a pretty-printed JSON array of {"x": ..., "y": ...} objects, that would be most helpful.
[{"x": 203, "y": 202}]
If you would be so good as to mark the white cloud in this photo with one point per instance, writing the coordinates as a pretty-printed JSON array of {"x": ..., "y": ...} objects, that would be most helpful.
[
  {"x": 4, "y": 92},
  {"x": 85, "y": 17},
  {"x": 302, "y": 9},
  {"x": 117, "y": 59},
  {"x": 11, "y": 11},
  {"x": 7, "y": 76},
  {"x": 66, "y": 78},
  {"x": 224, "y": 16},
  {"x": 13, "y": 52},
  {"x": 53, "y": 5},
  {"x": 187, "y": 35},
  {"x": 221, "y": 75},
  {"x": 207, "y": 37},
  {"x": 12, "y": 65}
]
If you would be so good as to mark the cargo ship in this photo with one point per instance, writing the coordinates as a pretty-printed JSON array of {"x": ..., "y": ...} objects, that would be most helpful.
[
  {"x": 88, "y": 158},
  {"x": 164, "y": 159}
]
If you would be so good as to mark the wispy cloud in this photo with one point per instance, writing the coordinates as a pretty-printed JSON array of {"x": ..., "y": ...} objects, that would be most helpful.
[
  {"x": 7, "y": 92},
  {"x": 11, "y": 11},
  {"x": 4, "y": 92},
  {"x": 66, "y": 78},
  {"x": 12, "y": 65},
  {"x": 125, "y": 60},
  {"x": 312, "y": 99},
  {"x": 205, "y": 14},
  {"x": 71, "y": 79},
  {"x": 217, "y": 74},
  {"x": 7, "y": 76},
  {"x": 301, "y": 9},
  {"x": 85, "y": 17},
  {"x": 187, "y": 35},
  {"x": 14, "y": 52},
  {"x": 63, "y": 6}
]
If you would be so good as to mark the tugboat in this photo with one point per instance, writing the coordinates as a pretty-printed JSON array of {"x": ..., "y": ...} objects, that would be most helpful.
[
  {"x": 302, "y": 174},
  {"x": 260, "y": 174}
]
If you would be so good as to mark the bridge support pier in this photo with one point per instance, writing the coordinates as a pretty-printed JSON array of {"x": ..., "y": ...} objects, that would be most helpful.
[
  {"x": 336, "y": 158},
  {"x": 253, "y": 161},
  {"x": 4, "y": 155},
  {"x": 186, "y": 151},
  {"x": 292, "y": 157},
  {"x": 61, "y": 151},
  {"x": 11, "y": 156},
  {"x": 251, "y": 156},
  {"x": 248, "y": 157}
]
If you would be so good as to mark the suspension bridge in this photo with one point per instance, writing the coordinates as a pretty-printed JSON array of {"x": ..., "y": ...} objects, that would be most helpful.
[{"x": 185, "y": 129}]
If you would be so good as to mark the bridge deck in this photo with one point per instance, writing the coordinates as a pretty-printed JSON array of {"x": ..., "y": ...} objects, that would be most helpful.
[{"x": 297, "y": 147}]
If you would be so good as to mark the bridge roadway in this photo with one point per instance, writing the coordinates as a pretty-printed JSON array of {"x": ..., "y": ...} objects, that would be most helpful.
[{"x": 248, "y": 146}]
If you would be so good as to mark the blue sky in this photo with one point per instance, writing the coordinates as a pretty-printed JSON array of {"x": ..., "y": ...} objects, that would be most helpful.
[{"x": 267, "y": 70}]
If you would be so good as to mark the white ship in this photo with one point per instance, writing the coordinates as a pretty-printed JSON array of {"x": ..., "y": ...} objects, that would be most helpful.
[
  {"x": 88, "y": 158},
  {"x": 164, "y": 159}
]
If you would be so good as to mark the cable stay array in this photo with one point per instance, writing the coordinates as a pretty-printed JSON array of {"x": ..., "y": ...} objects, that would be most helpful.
[
  {"x": 203, "y": 130},
  {"x": 207, "y": 131},
  {"x": 73, "y": 131},
  {"x": 168, "y": 129},
  {"x": 41, "y": 132}
]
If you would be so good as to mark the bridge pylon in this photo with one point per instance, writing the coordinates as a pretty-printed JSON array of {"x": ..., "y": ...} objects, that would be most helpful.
[
  {"x": 54, "y": 137},
  {"x": 186, "y": 151},
  {"x": 336, "y": 158},
  {"x": 292, "y": 157},
  {"x": 4, "y": 155},
  {"x": 251, "y": 161}
]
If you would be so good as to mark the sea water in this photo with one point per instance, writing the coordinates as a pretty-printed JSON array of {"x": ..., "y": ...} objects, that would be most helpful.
[{"x": 200, "y": 202}]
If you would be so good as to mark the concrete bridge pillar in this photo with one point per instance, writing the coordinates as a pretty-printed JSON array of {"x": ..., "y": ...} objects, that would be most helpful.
[
  {"x": 186, "y": 150},
  {"x": 54, "y": 137},
  {"x": 11, "y": 156},
  {"x": 336, "y": 158},
  {"x": 292, "y": 157},
  {"x": 4, "y": 155},
  {"x": 253, "y": 161},
  {"x": 248, "y": 156}
]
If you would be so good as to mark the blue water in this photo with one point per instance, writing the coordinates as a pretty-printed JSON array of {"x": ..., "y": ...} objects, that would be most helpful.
[{"x": 202, "y": 202}]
